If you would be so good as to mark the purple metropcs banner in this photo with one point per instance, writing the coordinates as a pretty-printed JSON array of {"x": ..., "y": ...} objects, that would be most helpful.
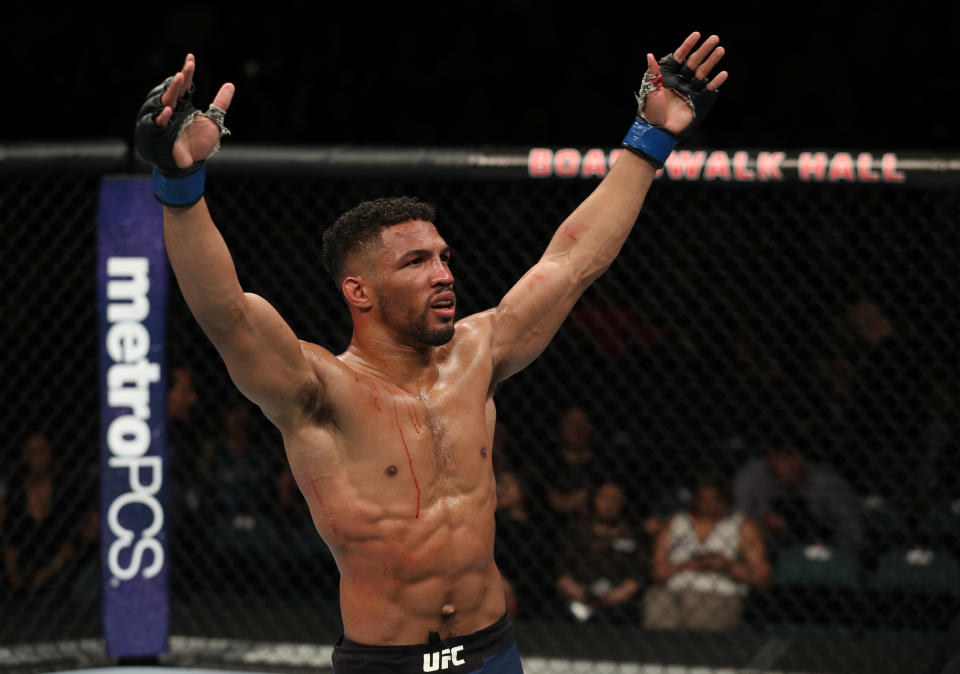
[{"x": 132, "y": 299}]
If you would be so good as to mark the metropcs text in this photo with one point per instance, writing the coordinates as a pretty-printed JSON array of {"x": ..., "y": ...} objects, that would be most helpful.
[{"x": 129, "y": 434}]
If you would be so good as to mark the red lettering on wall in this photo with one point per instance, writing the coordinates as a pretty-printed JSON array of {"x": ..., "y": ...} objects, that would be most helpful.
[
  {"x": 684, "y": 164},
  {"x": 539, "y": 162},
  {"x": 812, "y": 166},
  {"x": 566, "y": 162},
  {"x": 768, "y": 165},
  {"x": 888, "y": 169},
  {"x": 741, "y": 170},
  {"x": 841, "y": 168},
  {"x": 865, "y": 172},
  {"x": 594, "y": 164},
  {"x": 717, "y": 166}
]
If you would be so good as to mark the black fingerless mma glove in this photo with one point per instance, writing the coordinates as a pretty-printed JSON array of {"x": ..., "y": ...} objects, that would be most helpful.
[
  {"x": 655, "y": 142},
  {"x": 172, "y": 185}
]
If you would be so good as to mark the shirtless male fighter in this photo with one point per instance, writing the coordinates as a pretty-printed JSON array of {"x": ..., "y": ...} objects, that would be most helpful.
[{"x": 389, "y": 440}]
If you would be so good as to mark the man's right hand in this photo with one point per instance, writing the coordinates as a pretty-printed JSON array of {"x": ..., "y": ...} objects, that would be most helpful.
[{"x": 198, "y": 141}]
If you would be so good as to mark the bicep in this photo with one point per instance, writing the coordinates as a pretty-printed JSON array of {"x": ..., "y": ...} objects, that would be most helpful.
[
  {"x": 531, "y": 312},
  {"x": 264, "y": 358}
]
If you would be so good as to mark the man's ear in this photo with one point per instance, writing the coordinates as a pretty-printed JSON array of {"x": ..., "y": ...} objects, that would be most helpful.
[{"x": 357, "y": 293}]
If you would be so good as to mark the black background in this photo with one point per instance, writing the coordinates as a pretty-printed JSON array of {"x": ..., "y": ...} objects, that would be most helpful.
[{"x": 489, "y": 74}]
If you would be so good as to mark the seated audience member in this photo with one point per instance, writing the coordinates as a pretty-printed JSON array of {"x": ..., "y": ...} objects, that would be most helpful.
[
  {"x": 182, "y": 440},
  {"x": 571, "y": 471},
  {"x": 242, "y": 474},
  {"x": 601, "y": 569},
  {"x": 705, "y": 560},
  {"x": 503, "y": 454},
  {"x": 796, "y": 501},
  {"x": 520, "y": 549},
  {"x": 46, "y": 529},
  {"x": 290, "y": 502}
]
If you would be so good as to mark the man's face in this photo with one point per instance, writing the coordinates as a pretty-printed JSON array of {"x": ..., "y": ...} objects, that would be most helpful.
[
  {"x": 787, "y": 468},
  {"x": 608, "y": 502},
  {"x": 710, "y": 503},
  {"x": 38, "y": 454},
  {"x": 414, "y": 284},
  {"x": 509, "y": 492},
  {"x": 575, "y": 428},
  {"x": 182, "y": 396}
]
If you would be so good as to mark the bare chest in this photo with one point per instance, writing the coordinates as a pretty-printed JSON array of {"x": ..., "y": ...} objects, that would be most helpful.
[
  {"x": 440, "y": 440},
  {"x": 396, "y": 456}
]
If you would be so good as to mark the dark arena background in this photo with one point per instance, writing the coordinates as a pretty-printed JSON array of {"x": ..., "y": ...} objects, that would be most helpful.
[{"x": 787, "y": 306}]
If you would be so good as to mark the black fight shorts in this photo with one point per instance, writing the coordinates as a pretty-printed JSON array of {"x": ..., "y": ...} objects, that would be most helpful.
[{"x": 492, "y": 650}]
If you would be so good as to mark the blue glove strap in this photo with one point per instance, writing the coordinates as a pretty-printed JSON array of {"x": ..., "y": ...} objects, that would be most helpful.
[
  {"x": 649, "y": 140},
  {"x": 179, "y": 190}
]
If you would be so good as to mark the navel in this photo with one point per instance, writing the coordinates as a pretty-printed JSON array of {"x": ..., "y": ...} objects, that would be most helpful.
[
  {"x": 447, "y": 611},
  {"x": 483, "y": 452},
  {"x": 390, "y": 471}
]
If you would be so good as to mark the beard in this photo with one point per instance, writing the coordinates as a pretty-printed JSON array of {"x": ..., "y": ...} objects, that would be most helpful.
[
  {"x": 436, "y": 336},
  {"x": 413, "y": 322}
]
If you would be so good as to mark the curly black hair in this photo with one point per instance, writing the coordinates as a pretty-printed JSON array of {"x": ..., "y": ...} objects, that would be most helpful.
[{"x": 362, "y": 224}]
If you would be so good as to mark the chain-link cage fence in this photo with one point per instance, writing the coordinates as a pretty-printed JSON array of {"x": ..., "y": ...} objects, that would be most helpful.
[
  {"x": 739, "y": 450},
  {"x": 49, "y": 463}
]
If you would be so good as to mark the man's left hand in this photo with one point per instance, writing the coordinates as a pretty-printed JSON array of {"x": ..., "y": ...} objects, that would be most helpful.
[{"x": 666, "y": 107}]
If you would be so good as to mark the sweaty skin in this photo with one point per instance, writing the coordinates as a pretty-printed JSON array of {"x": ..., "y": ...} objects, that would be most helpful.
[
  {"x": 401, "y": 488},
  {"x": 389, "y": 441},
  {"x": 388, "y": 444}
]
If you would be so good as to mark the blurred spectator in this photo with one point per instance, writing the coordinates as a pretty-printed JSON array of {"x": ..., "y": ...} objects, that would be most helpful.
[
  {"x": 887, "y": 402},
  {"x": 704, "y": 562},
  {"x": 182, "y": 396},
  {"x": 241, "y": 475},
  {"x": 289, "y": 499},
  {"x": 182, "y": 439},
  {"x": 571, "y": 471},
  {"x": 503, "y": 455},
  {"x": 519, "y": 549},
  {"x": 602, "y": 568},
  {"x": 797, "y": 501},
  {"x": 43, "y": 534}
]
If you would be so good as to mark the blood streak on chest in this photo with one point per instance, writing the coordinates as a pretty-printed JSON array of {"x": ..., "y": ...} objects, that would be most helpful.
[
  {"x": 406, "y": 449},
  {"x": 417, "y": 424}
]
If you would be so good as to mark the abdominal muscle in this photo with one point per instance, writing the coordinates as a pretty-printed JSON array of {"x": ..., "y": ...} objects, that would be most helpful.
[{"x": 405, "y": 573}]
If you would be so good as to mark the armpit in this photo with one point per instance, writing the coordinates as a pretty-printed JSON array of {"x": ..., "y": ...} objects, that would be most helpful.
[{"x": 311, "y": 399}]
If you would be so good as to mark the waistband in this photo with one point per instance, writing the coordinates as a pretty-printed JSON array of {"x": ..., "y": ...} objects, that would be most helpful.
[{"x": 457, "y": 654}]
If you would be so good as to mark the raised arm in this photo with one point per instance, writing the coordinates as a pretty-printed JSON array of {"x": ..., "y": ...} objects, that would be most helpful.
[
  {"x": 588, "y": 241},
  {"x": 261, "y": 352}
]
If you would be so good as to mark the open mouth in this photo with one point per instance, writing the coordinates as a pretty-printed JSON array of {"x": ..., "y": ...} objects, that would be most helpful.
[{"x": 444, "y": 306}]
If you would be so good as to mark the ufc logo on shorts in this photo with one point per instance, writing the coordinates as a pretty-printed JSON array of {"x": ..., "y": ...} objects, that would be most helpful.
[{"x": 442, "y": 659}]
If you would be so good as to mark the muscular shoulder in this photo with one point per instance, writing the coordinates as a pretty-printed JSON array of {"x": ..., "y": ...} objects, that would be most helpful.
[
  {"x": 471, "y": 338},
  {"x": 474, "y": 326},
  {"x": 469, "y": 352}
]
